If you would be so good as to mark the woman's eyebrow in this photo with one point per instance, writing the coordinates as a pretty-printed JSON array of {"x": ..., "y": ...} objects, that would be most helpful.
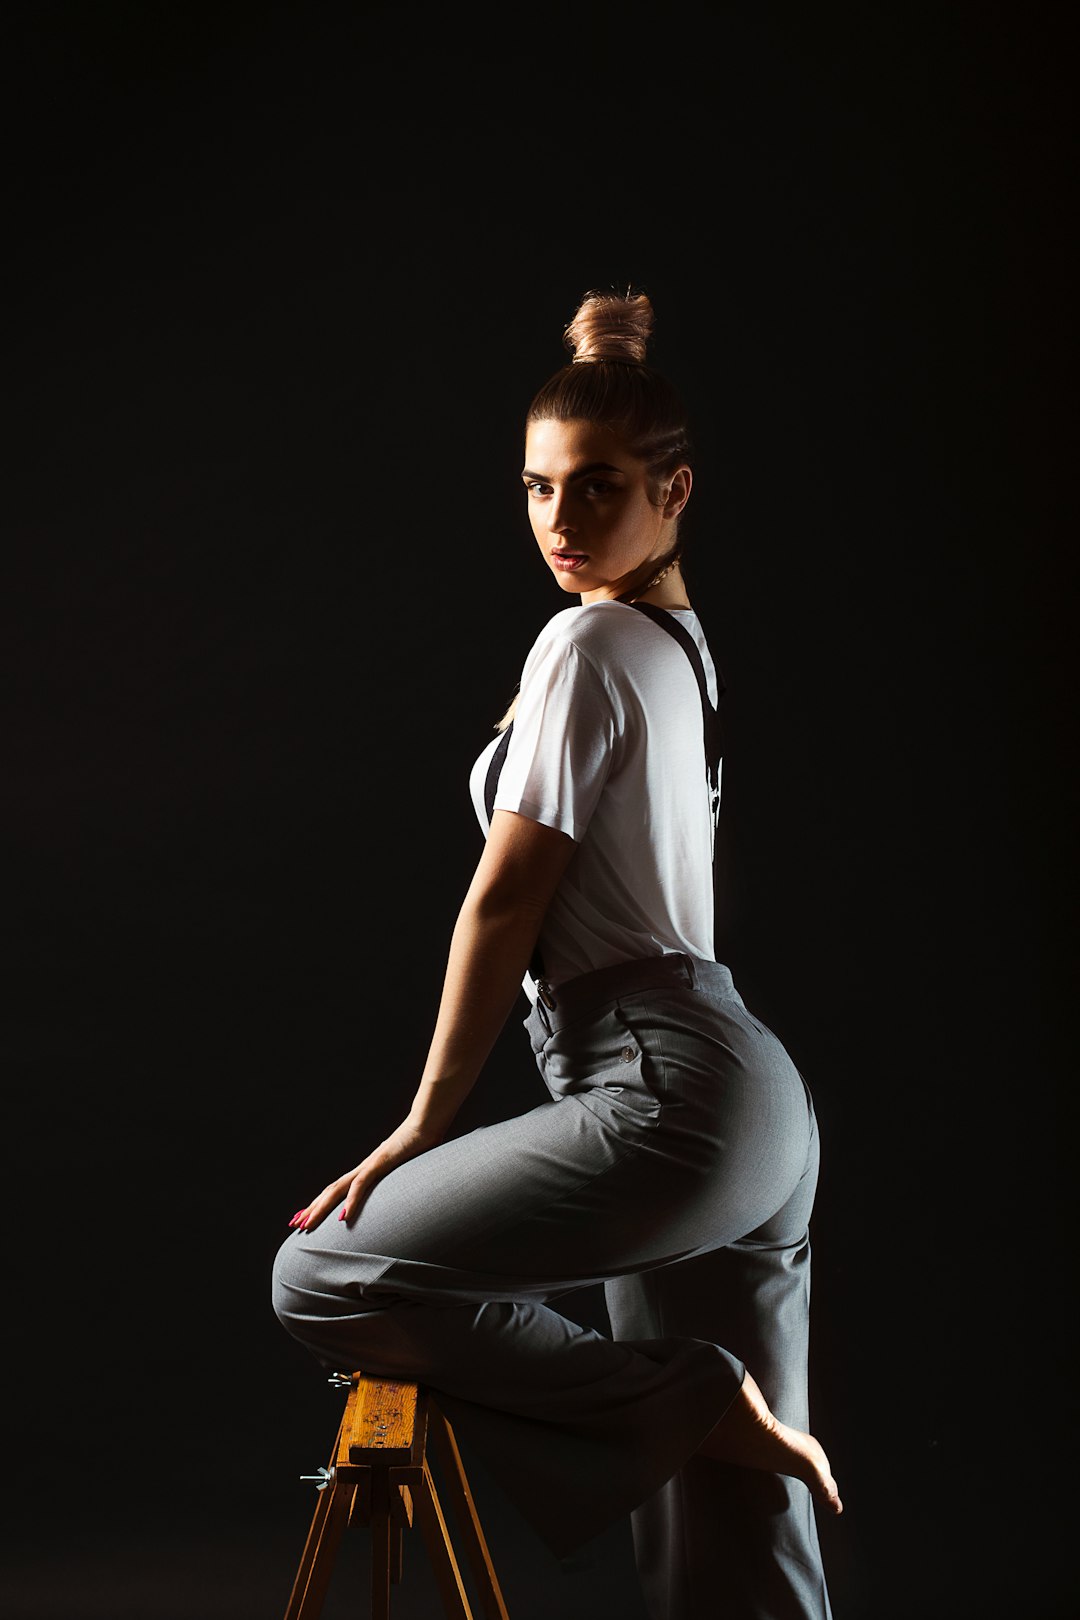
[{"x": 579, "y": 472}]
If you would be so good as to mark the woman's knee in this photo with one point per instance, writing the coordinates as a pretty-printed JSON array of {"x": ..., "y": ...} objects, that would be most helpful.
[
  {"x": 313, "y": 1283},
  {"x": 294, "y": 1288}
]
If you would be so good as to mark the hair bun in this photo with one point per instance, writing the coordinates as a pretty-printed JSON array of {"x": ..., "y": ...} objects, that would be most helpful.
[{"x": 608, "y": 326}]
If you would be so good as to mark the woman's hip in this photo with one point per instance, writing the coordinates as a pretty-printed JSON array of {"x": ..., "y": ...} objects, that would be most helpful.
[{"x": 668, "y": 1046}]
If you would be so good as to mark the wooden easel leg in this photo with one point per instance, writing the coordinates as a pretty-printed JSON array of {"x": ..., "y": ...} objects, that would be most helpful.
[
  {"x": 308, "y": 1555},
  {"x": 440, "y": 1550},
  {"x": 401, "y": 1518},
  {"x": 456, "y": 1492},
  {"x": 380, "y": 1545},
  {"x": 311, "y": 1545},
  {"x": 308, "y": 1597}
]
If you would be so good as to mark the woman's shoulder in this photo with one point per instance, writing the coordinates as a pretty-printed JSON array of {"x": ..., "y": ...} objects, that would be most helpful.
[
  {"x": 612, "y": 646},
  {"x": 596, "y": 629}
]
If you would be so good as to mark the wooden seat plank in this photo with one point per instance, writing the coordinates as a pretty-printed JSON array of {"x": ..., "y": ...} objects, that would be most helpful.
[{"x": 383, "y": 1418}]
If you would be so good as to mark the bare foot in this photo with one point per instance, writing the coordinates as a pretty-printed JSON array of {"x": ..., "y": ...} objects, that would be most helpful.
[{"x": 751, "y": 1437}]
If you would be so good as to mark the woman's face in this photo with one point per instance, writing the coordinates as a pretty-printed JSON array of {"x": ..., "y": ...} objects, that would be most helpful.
[{"x": 589, "y": 507}]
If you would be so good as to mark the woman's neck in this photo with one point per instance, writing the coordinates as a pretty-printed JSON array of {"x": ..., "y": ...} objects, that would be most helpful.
[{"x": 669, "y": 592}]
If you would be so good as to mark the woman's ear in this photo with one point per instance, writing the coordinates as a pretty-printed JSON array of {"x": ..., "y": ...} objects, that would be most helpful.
[{"x": 677, "y": 492}]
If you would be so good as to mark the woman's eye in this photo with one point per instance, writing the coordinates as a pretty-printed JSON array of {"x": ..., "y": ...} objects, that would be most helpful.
[{"x": 592, "y": 486}]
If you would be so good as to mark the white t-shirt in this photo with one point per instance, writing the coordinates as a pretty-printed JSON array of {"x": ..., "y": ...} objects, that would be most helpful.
[{"x": 607, "y": 746}]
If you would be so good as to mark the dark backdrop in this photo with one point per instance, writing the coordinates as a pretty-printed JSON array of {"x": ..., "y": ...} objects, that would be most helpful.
[{"x": 281, "y": 283}]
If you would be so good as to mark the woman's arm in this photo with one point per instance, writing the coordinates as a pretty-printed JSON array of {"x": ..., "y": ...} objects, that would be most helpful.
[{"x": 490, "y": 950}]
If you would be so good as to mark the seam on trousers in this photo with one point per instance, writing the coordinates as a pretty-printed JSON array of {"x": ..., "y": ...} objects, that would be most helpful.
[
  {"x": 629, "y": 1023},
  {"x": 682, "y": 1504},
  {"x": 663, "y": 1056}
]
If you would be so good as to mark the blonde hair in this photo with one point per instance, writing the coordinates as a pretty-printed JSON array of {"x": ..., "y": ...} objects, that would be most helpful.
[{"x": 608, "y": 326}]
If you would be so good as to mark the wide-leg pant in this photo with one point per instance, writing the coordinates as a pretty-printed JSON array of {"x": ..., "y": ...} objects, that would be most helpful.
[{"x": 675, "y": 1161}]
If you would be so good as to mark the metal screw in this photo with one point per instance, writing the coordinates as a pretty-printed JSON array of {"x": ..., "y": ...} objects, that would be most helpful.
[
  {"x": 339, "y": 1380},
  {"x": 325, "y": 1476}
]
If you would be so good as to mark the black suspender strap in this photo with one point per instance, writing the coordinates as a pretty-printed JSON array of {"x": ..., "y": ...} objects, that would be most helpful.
[
  {"x": 710, "y": 716},
  {"x": 494, "y": 771}
]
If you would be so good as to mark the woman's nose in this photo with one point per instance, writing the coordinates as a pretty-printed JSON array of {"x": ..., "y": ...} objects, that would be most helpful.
[{"x": 559, "y": 515}]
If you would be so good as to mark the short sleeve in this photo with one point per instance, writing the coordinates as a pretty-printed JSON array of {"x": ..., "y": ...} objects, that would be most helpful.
[{"x": 561, "y": 747}]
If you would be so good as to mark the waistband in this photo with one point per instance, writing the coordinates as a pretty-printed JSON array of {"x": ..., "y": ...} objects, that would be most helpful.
[{"x": 575, "y": 997}]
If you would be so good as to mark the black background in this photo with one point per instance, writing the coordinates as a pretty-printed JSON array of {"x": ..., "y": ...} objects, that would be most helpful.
[{"x": 282, "y": 280}]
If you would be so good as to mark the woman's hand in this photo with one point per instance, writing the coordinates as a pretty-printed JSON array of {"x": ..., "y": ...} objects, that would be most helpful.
[{"x": 404, "y": 1143}]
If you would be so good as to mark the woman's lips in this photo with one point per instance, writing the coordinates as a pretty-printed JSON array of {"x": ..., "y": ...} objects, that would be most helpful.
[{"x": 568, "y": 560}]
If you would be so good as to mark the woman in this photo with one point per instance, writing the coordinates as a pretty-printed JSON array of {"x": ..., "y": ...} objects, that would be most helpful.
[{"x": 675, "y": 1159}]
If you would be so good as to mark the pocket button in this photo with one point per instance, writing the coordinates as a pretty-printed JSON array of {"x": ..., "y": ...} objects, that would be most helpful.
[{"x": 628, "y": 1054}]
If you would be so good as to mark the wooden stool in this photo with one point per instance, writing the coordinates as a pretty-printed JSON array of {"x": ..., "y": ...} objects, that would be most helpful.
[{"x": 379, "y": 1475}]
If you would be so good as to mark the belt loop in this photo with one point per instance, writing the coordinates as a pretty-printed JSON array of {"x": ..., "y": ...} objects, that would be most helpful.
[{"x": 691, "y": 973}]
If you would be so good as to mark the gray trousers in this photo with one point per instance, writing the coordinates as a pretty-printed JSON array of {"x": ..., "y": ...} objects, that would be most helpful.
[{"x": 675, "y": 1161}]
